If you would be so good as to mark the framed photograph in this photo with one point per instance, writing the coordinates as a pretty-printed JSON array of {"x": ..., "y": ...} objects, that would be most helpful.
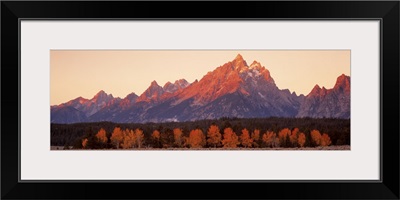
[{"x": 286, "y": 96}]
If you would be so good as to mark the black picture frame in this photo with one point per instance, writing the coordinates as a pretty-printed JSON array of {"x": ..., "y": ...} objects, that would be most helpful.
[{"x": 386, "y": 11}]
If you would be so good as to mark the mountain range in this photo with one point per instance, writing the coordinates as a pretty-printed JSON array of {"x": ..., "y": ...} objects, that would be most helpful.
[{"x": 234, "y": 89}]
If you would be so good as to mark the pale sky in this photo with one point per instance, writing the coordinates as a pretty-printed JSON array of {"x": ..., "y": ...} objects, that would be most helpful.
[{"x": 75, "y": 73}]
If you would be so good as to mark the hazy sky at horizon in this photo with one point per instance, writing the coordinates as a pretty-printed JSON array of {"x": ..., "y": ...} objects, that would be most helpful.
[{"x": 75, "y": 73}]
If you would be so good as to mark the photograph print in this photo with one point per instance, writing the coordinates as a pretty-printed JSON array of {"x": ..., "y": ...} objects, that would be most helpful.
[{"x": 200, "y": 100}]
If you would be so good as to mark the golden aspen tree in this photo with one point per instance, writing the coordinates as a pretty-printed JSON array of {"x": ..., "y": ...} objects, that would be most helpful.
[
  {"x": 316, "y": 137},
  {"x": 139, "y": 138},
  {"x": 255, "y": 136},
  {"x": 214, "y": 136},
  {"x": 325, "y": 140},
  {"x": 155, "y": 135},
  {"x": 129, "y": 139},
  {"x": 301, "y": 140},
  {"x": 102, "y": 136},
  {"x": 196, "y": 139},
  {"x": 178, "y": 139},
  {"x": 293, "y": 136},
  {"x": 117, "y": 137},
  {"x": 245, "y": 139},
  {"x": 269, "y": 139},
  {"x": 230, "y": 140},
  {"x": 84, "y": 143},
  {"x": 283, "y": 135}
]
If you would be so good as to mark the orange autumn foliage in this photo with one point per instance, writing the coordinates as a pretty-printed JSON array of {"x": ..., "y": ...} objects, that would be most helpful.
[
  {"x": 196, "y": 139},
  {"x": 84, "y": 143},
  {"x": 270, "y": 139},
  {"x": 316, "y": 137},
  {"x": 293, "y": 136},
  {"x": 117, "y": 137},
  {"x": 245, "y": 139},
  {"x": 155, "y": 135},
  {"x": 255, "y": 136},
  {"x": 178, "y": 139},
  {"x": 325, "y": 140},
  {"x": 214, "y": 136},
  {"x": 139, "y": 138},
  {"x": 230, "y": 140},
  {"x": 286, "y": 138},
  {"x": 156, "y": 138},
  {"x": 102, "y": 136},
  {"x": 283, "y": 135},
  {"x": 301, "y": 140},
  {"x": 129, "y": 139}
]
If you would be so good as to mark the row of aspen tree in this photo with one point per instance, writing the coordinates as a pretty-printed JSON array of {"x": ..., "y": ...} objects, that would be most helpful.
[{"x": 214, "y": 138}]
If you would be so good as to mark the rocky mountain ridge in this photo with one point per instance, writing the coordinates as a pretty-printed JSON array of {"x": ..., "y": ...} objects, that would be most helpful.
[{"x": 233, "y": 89}]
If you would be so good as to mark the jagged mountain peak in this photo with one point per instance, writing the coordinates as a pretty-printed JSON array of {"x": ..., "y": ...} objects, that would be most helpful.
[
  {"x": 131, "y": 95},
  {"x": 322, "y": 102},
  {"x": 152, "y": 93},
  {"x": 102, "y": 96},
  {"x": 100, "y": 93},
  {"x": 177, "y": 85},
  {"x": 154, "y": 83},
  {"x": 343, "y": 76},
  {"x": 239, "y": 57},
  {"x": 232, "y": 89},
  {"x": 316, "y": 89},
  {"x": 239, "y": 63},
  {"x": 129, "y": 100},
  {"x": 323, "y": 91},
  {"x": 74, "y": 102},
  {"x": 181, "y": 82},
  {"x": 255, "y": 65},
  {"x": 343, "y": 83},
  {"x": 343, "y": 79},
  {"x": 81, "y": 99},
  {"x": 167, "y": 84},
  {"x": 231, "y": 77}
]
